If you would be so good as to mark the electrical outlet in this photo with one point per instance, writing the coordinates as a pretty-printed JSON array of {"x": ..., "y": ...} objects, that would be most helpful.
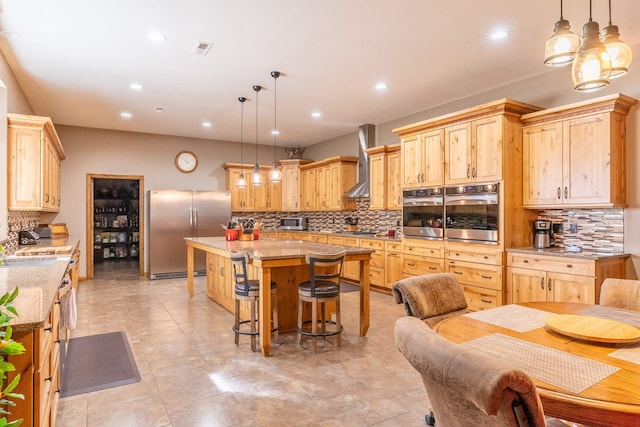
[
  {"x": 573, "y": 227},
  {"x": 398, "y": 223},
  {"x": 558, "y": 228}
]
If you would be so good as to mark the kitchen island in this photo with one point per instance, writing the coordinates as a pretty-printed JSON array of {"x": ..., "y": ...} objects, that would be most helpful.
[{"x": 282, "y": 261}]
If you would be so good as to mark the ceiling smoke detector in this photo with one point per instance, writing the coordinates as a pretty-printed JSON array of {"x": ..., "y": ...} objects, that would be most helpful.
[
  {"x": 161, "y": 109},
  {"x": 201, "y": 48}
]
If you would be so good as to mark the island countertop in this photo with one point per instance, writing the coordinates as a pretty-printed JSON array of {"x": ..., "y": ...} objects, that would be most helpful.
[
  {"x": 272, "y": 249},
  {"x": 38, "y": 282}
]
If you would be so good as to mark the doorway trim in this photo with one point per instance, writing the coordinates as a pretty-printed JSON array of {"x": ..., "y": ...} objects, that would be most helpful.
[{"x": 90, "y": 218}]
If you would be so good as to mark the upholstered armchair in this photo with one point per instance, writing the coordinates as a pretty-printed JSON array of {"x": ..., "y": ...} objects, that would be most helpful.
[
  {"x": 431, "y": 297},
  {"x": 621, "y": 293},
  {"x": 465, "y": 387}
]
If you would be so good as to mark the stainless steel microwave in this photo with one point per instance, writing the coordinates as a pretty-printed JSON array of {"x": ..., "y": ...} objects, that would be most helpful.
[{"x": 298, "y": 223}]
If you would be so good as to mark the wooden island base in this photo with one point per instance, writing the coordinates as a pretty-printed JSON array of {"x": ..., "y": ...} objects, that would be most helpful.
[{"x": 279, "y": 260}]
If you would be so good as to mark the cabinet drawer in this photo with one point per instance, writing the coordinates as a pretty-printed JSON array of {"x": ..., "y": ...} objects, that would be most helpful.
[
  {"x": 335, "y": 240},
  {"x": 417, "y": 265},
  {"x": 44, "y": 337},
  {"x": 318, "y": 238},
  {"x": 480, "y": 254},
  {"x": 583, "y": 267},
  {"x": 477, "y": 274},
  {"x": 393, "y": 246},
  {"x": 480, "y": 298},
  {"x": 376, "y": 276},
  {"x": 378, "y": 245},
  {"x": 377, "y": 259},
  {"x": 428, "y": 248},
  {"x": 351, "y": 241}
]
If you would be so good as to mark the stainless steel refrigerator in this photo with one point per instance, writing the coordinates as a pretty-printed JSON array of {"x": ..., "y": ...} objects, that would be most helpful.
[{"x": 176, "y": 214}]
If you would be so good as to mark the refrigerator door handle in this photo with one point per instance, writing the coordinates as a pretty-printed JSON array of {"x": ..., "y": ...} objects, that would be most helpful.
[
  {"x": 191, "y": 218},
  {"x": 195, "y": 222}
]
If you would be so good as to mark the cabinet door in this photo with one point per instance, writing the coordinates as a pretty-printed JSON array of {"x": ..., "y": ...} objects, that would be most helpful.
[
  {"x": 394, "y": 190},
  {"x": 542, "y": 165},
  {"x": 458, "y": 153},
  {"x": 526, "y": 285},
  {"x": 587, "y": 160},
  {"x": 25, "y": 169},
  {"x": 212, "y": 289},
  {"x": 290, "y": 188},
  {"x": 433, "y": 153},
  {"x": 571, "y": 288},
  {"x": 309, "y": 193},
  {"x": 393, "y": 267},
  {"x": 268, "y": 196},
  {"x": 333, "y": 187},
  {"x": 378, "y": 183},
  {"x": 487, "y": 146},
  {"x": 241, "y": 198},
  {"x": 411, "y": 161}
]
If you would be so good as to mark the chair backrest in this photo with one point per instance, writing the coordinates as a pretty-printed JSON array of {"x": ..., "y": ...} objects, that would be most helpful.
[
  {"x": 325, "y": 267},
  {"x": 620, "y": 293},
  {"x": 239, "y": 261},
  {"x": 465, "y": 387},
  {"x": 431, "y": 297}
]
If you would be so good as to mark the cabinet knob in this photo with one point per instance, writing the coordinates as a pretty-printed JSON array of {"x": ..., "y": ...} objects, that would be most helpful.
[
  {"x": 486, "y": 277},
  {"x": 473, "y": 172},
  {"x": 457, "y": 272},
  {"x": 526, "y": 261},
  {"x": 549, "y": 284},
  {"x": 569, "y": 265},
  {"x": 468, "y": 176},
  {"x": 558, "y": 193},
  {"x": 486, "y": 301},
  {"x": 566, "y": 192},
  {"x": 432, "y": 268},
  {"x": 542, "y": 283}
]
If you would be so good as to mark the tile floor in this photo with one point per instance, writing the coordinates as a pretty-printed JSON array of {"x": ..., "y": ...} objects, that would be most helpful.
[{"x": 194, "y": 375}]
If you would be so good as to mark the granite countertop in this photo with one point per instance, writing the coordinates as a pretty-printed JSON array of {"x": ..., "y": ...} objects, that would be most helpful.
[
  {"x": 38, "y": 278},
  {"x": 360, "y": 235},
  {"x": 564, "y": 252},
  {"x": 270, "y": 249}
]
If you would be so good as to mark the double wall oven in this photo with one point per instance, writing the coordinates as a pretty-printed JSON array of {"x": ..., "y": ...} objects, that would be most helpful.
[{"x": 467, "y": 213}]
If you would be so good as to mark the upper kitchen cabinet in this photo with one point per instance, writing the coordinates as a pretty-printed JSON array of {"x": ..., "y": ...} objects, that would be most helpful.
[
  {"x": 574, "y": 156},
  {"x": 34, "y": 156},
  {"x": 325, "y": 182},
  {"x": 422, "y": 159},
  {"x": 241, "y": 198},
  {"x": 291, "y": 181},
  {"x": 384, "y": 177},
  {"x": 479, "y": 144}
]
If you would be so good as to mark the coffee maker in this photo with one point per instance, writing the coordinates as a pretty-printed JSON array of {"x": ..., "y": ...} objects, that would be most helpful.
[{"x": 543, "y": 234}]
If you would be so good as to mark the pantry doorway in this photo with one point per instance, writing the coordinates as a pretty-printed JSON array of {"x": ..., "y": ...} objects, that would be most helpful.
[{"x": 115, "y": 223}]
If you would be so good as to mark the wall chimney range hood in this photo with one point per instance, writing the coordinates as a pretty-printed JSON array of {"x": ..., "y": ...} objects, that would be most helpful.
[{"x": 366, "y": 139}]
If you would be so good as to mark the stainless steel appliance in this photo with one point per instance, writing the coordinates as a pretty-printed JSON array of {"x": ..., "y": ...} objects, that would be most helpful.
[
  {"x": 297, "y": 223},
  {"x": 472, "y": 212},
  {"x": 423, "y": 212},
  {"x": 176, "y": 214},
  {"x": 543, "y": 236}
]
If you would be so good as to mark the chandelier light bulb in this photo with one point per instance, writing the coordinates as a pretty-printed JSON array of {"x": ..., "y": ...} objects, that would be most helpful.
[
  {"x": 561, "y": 47},
  {"x": 592, "y": 65}
]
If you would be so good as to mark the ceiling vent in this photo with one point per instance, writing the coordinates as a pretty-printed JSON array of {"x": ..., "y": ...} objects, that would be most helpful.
[{"x": 201, "y": 48}]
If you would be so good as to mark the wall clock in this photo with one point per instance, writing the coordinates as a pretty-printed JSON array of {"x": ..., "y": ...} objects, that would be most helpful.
[{"x": 186, "y": 161}]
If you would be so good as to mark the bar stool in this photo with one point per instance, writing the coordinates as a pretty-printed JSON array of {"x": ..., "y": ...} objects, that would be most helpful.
[
  {"x": 322, "y": 287},
  {"x": 249, "y": 290}
]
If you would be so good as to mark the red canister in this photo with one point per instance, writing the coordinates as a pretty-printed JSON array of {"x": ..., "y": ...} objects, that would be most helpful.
[{"x": 231, "y": 235}]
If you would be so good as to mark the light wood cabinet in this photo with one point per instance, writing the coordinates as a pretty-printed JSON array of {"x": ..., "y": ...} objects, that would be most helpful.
[
  {"x": 551, "y": 278},
  {"x": 384, "y": 177},
  {"x": 241, "y": 198},
  {"x": 393, "y": 264},
  {"x": 574, "y": 155},
  {"x": 291, "y": 184},
  {"x": 473, "y": 151},
  {"x": 376, "y": 264},
  {"x": 34, "y": 156},
  {"x": 351, "y": 269},
  {"x": 422, "y": 159},
  {"x": 422, "y": 257},
  {"x": 325, "y": 182},
  {"x": 264, "y": 197}
]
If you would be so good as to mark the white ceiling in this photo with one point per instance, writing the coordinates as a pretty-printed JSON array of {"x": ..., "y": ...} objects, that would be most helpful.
[{"x": 75, "y": 59}]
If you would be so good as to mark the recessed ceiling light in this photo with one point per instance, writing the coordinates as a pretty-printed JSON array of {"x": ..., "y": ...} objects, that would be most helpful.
[
  {"x": 316, "y": 114},
  {"x": 499, "y": 35},
  {"x": 275, "y": 132},
  {"x": 135, "y": 86},
  {"x": 161, "y": 109},
  {"x": 381, "y": 86},
  {"x": 125, "y": 115},
  {"x": 155, "y": 36},
  {"x": 206, "y": 124}
]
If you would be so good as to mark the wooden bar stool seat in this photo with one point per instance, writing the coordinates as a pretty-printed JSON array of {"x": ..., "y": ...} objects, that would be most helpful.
[
  {"x": 249, "y": 290},
  {"x": 322, "y": 287}
]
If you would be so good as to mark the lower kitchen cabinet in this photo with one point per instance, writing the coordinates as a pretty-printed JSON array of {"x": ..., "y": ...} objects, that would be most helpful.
[
  {"x": 351, "y": 269},
  {"x": 554, "y": 278},
  {"x": 376, "y": 264},
  {"x": 420, "y": 256},
  {"x": 39, "y": 368},
  {"x": 393, "y": 262}
]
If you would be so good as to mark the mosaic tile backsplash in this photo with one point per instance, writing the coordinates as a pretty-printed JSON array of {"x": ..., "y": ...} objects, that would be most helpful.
[
  {"x": 17, "y": 221},
  {"x": 599, "y": 230}
]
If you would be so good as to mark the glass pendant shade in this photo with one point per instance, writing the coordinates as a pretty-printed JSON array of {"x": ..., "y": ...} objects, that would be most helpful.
[
  {"x": 256, "y": 176},
  {"x": 242, "y": 182},
  {"x": 619, "y": 52},
  {"x": 591, "y": 66},
  {"x": 275, "y": 174},
  {"x": 561, "y": 47}
]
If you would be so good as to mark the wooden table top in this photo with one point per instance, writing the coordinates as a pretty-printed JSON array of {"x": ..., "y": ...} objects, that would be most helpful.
[{"x": 614, "y": 400}]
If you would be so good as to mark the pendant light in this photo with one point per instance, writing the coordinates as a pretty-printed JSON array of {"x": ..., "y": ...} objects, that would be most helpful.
[
  {"x": 256, "y": 176},
  {"x": 592, "y": 66},
  {"x": 275, "y": 174},
  {"x": 561, "y": 47},
  {"x": 242, "y": 182},
  {"x": 619, "y": 52}
]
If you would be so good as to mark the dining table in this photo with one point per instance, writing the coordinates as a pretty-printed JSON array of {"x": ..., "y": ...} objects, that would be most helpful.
[{"x": 588, "y": 374}]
